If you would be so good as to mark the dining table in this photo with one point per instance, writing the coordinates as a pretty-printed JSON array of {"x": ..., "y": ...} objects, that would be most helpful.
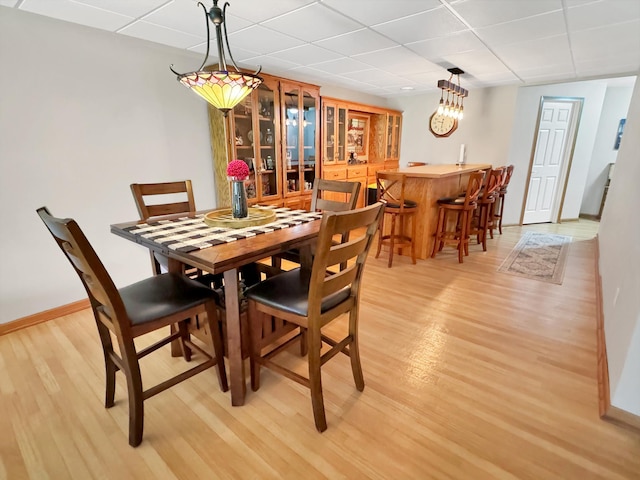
[{"x": 186, "y": 239}]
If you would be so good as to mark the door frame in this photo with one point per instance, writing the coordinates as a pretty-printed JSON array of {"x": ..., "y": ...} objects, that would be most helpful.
[{"x": 576, "y": 116}]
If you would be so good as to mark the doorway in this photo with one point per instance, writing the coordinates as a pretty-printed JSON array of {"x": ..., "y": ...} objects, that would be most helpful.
[{"x": 551, "y": 155}]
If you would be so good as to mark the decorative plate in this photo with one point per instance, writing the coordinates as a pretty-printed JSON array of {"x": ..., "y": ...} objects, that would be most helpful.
[{"x": 224, "y": 218}]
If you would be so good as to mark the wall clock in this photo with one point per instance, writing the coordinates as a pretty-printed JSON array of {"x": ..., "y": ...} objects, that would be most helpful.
[{"x": 441, "y": 125}]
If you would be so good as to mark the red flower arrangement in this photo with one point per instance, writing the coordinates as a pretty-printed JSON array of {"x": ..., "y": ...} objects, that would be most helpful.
[{"x": 237, "y": 170}]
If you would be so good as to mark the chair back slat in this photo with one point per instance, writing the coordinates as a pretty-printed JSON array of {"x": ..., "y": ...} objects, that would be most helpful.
[
  {"x": 94, "y": 277},
  {"x": 141, "y": 192},
  {"x": 357, "y": 228},
  {"x": 321, "y": 187}
]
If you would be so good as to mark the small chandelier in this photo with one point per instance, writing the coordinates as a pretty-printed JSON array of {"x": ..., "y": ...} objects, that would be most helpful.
[
  {"x": 454, "y": 106},
  {"x": 221, "y": 88}
]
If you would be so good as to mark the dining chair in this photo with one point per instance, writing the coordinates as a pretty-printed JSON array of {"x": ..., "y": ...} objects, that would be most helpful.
[
  {"x": 463, "y": 207},
  {"x": 391, "y": 190},
  {"x": 134, "y": 310},
  {"x": 326, "y": 196},
  {"x": 311, "y": 299}
]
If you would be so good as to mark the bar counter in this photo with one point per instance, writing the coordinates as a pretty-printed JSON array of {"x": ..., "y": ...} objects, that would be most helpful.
[{"x": 425, "y": 185}]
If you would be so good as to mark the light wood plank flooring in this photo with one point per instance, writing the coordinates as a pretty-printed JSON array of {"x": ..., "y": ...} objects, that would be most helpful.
[{"x": 470, "y": 374}]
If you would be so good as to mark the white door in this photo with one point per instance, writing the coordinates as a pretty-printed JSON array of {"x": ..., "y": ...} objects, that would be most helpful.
[{"x": 550, "y": 153}]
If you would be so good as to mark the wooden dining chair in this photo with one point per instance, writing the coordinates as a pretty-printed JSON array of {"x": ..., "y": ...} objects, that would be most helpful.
[
  {"x": 132, "y": 311},
  {"x": 326, "y": 196},
  {"x": 392, "y": 193},
  {"x": 311, "y": 299}
]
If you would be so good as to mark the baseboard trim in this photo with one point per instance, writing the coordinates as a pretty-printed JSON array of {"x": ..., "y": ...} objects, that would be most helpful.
[
  {"x": 605, "y": 409},
  {"x": 42, "y": 317}
]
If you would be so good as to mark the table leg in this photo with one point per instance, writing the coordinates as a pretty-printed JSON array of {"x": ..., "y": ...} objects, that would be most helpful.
[
  {"x": 174, "y": 266},
  {"x": 234, "y": 342}
]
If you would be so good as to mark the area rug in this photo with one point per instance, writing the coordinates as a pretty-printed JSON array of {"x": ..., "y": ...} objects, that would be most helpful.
[{"x": 539, "y": 256}]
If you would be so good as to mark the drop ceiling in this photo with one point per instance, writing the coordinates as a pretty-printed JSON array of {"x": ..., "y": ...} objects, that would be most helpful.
[{"x": 387, "y": 48}]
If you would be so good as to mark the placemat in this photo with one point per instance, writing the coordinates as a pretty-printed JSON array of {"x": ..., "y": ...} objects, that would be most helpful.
[{"x": 187, "y": 234}]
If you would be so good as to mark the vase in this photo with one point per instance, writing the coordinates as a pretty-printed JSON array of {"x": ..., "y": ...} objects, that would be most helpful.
[{"x": 239, "y": 208}]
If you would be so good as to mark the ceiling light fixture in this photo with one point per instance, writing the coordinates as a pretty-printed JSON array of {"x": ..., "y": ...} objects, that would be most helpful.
[
  {"x": 455, "y": 108},
  {"x": 221, "y": 88}
]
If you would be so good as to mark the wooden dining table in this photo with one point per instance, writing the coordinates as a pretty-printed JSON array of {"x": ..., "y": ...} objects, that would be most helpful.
[{"x": 226, "y": 256}]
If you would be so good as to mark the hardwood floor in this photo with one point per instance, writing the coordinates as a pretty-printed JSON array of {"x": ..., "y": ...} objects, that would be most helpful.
[{"x": 470, "y": 374}]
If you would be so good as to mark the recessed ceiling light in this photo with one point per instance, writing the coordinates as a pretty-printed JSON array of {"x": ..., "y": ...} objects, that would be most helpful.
[{"x": 406, "y": 88}]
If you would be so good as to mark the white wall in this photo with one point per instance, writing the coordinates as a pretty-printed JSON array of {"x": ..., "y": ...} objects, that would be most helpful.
[
  {"x": 485, "y": 129},
  {"x": 620, "y": 267},
  {"x": 616, "y": 105},
  {"x": 83, "y": 114}
]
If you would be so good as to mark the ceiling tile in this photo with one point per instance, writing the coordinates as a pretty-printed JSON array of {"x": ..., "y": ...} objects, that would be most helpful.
[
  {"x": 354, "y": 43},
  {"x": 312, "y": 23},
  {"x": 422, "y": 26},
  {"x": 436, "y": 47},
  {"x": 595, "y": 15},
  {"x": 476, "y": 63},
  {"x": 607, "y": 42},
  {"x": 261, "y": 10},
  {"x": 372, "y": 12},
  {"x": 155, "y": 33},
  {"x": 263, "y": 40},
  {"x": 542, "y": 52},
  {"x": 77, "y": 13},
  {"x": 307, "y": 54},
  {"x": 342, "y": 65},
  {"x": 540, "y": 26},
  {"x": 397, "y": 59},
  {"x": 188, "y": 17},
  {"x": 483, "y": 13},
  {"x": 135, "y": 9}
]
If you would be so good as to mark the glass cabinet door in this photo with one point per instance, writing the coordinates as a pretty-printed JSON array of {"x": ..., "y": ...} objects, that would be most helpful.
[
  {"x": 329, "y": 133},
  {"x": 395, "y": 152},
  {"x": 291, "y": 141},
  {"x": 389, "y": 135},
  {"x": 266, "y": 153},
  {"x": 342, "y": 134},
  {"x": 309, "y": 126},
  {"x": 241, "y": 124}
]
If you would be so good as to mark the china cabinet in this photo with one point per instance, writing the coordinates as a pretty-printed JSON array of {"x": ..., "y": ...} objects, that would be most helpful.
[
  {"x": 275, "y": 131},
  {"x": 357, "y": 141}
]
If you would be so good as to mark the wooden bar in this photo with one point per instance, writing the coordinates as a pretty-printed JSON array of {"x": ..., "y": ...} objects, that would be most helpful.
[{"x": 425, "y": 185}]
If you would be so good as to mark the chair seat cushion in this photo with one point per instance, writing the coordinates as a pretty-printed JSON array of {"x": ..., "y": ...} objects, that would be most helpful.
[
  {"x": 161, "y": 296},
  {"x": 407, "y": 204},
  {"x": 289, "y": 291},
  {"x": 451, "y": 201}
]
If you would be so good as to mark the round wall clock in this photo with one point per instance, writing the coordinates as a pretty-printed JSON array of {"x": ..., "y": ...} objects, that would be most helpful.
[{"x": 441, "y": 125}]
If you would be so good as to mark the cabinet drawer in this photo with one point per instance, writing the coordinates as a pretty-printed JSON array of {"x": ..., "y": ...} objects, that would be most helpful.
[
  {"x": 354, "y": 172},
  {"x": 337, "y": 174}
]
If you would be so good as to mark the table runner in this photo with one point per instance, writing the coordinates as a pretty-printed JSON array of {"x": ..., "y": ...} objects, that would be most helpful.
[{"x": 187, "y": 234}]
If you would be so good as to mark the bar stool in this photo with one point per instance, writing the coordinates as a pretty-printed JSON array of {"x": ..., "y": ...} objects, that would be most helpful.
[
  {"x": 483, "y": 217},
  {"x": 463, "y": 207},
  {"x": 502, "y": 191},
  {"x": 399, "y": 209}
]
